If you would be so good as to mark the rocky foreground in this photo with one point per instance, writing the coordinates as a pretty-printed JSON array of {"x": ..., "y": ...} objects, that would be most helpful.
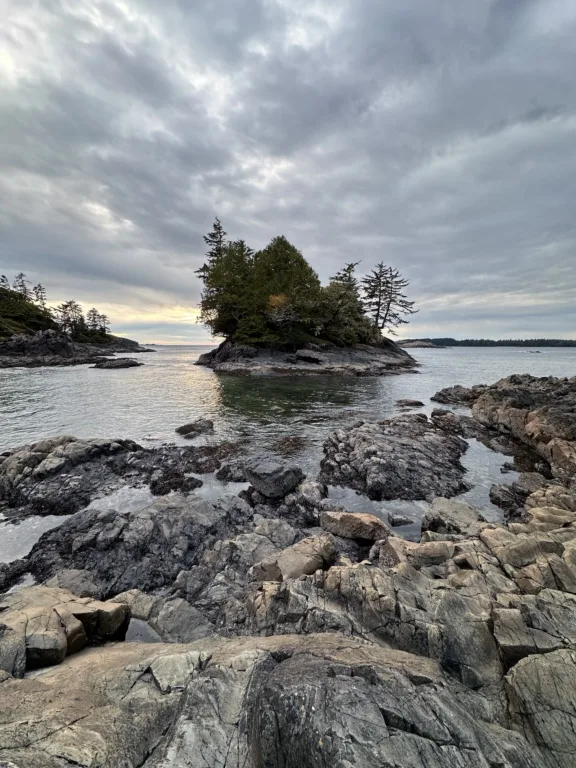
[
  {"x": 52, "y": 348},
  {"x": 326, "y": 359},
  {"x": 283, "y": 632}
]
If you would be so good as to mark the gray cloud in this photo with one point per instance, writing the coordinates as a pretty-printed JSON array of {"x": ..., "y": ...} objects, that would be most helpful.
[{"x": 439, "y": 137}]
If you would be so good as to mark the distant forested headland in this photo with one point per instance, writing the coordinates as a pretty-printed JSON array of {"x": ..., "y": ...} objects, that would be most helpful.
[
  {"x": 274, "y": 297},
  {"x": 24, "y": 309},
  {"x": 448, "y": 342}
]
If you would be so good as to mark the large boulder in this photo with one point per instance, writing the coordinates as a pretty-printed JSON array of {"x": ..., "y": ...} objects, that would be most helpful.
[
  {"x": 402, "y": 458},
  {"x": 354, "y": 525},
  {"x": 303, "y": 558},
  {"x": 446, "y": 516},
  {"x": 272, "y": 479},
  {"x": 42, "y": 625}
]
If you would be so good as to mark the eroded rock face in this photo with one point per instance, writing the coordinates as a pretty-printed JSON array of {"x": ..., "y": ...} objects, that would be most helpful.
[
  {"x": 401, "y": 458},
  {"x": 459, "y": 395},
  {"x": 40, "y": 626},
  {"x": 283, "y": 702},
  {"x": 354, "y": 525},
  {"x": 539, "y": 412}
]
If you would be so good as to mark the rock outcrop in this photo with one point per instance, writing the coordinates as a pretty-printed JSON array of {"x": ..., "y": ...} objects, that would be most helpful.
[
  {"x": 63, "y": 474},
  {"x": 402, "y": 458},
  {"x": 327, "y": 359},
  {"x": 538, "y": 412},
  {"x": 51, "y": 347}
]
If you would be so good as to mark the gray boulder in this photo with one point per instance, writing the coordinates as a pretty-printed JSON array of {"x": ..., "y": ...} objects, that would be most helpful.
[
  {"x": 272, "y": 479},
  {"x": 200, "y": 426}
]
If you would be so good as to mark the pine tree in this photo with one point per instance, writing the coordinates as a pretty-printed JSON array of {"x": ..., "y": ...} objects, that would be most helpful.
[
  {"x": 70, "y": 317},
  {"x": 216, "y": 242},
  {"x": 20, "y": 284},
  {"x": 103, "y": 323},
  {"x": 384, "y": 300},
  {"x": 4, "y": 282},
  {"x": 93, "y": 319},
  {"x": 40, "y": 295}
]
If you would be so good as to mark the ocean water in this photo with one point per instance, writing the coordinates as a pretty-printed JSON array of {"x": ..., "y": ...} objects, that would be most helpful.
[{"x": 149, "y": 402}]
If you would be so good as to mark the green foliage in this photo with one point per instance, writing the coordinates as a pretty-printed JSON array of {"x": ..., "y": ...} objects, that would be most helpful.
[
  {"x": 384, "y": 300},
  {"x": 18, "y": 314},
  {"x": 25, "y": 311},
  {"x": 273, "y": 297}
]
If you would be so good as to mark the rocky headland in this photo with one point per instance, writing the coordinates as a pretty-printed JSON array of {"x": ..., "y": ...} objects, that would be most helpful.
[
  {"x": 53, "y": 348},
  {"x": 283, "y": 632},
  {"x": 324, "y": 359}
]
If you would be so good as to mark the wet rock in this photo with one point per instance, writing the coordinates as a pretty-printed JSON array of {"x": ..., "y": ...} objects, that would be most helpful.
[
  {"x": 142, "y": 549},
  {"x": 272, "y": 479},
  {"x": 459, "y": 395},
  {"x": 402, "y": 458},
  {"x": 290, "y": 445},
  {"x": 327, "y": 359},
  {"x": 171, "y": 480},
  {"x": 511, "y": 497},
  {"x": 452, "y": 517},
  {"x": 173, "y": 619},
  {"x": 354, "y": 525},
  {"x": 231, "y": 473},
  {"x": 200, "y": 426},
  {"x": 118, "y": 362},
  {"x": 407, "y": 403},
  {"x": 396, "y": 520},
  {"x": 540, "y": 412},
  {"x": 63, "y": 474}
]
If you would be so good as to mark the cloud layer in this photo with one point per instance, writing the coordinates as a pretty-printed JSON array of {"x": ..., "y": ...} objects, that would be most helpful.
[{"x": 438, "y": 137}]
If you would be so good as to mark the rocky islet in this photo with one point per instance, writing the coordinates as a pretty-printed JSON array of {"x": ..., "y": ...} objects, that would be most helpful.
[{"x": 290, "y": 632}]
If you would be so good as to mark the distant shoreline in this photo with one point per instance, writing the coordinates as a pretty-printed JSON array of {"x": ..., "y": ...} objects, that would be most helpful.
[{"x": 438, "y": 343}]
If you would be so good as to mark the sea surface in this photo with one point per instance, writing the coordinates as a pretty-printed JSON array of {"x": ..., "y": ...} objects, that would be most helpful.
[{"x": 149, "y": 402}]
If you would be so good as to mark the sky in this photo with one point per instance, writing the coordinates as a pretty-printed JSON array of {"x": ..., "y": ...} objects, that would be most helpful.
[{"x": 438, "y": 137}]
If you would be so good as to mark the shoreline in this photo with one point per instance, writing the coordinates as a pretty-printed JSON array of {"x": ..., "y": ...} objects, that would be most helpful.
[{"x": 278, "y": 593}]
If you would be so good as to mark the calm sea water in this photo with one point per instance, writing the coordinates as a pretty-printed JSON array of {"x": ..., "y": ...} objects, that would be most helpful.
[{"x": 148, "y": 403}]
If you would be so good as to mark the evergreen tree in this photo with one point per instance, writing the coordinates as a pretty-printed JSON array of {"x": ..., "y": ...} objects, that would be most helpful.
[
  {"x": 93, "y": 319},
  {"x": 384, "y": 300},
  {"x": 70, "y": 317},
  {"x": 103, "y": 323},
  {"x": 4, "y": 282},
  {"x": 343, "y": 320},
  {"x": 40, "y": 295},
  {"x": 20, "y": 284}
]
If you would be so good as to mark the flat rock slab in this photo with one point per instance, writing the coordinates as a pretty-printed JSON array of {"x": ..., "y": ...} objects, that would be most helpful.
[{"x": 118, "y": 362}]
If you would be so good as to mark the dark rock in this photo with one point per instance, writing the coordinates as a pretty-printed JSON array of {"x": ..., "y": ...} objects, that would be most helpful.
[
  {"x": 172, "y": 480},
  {"x": 511, "y": 497},
  {"x": 272, "y": 479},
  {"x": 231, "y": 473},
  {"x": 137, "y": 550},
  {"x": 407, "y": 403},
  {"x": 118, "y": 362},
  {"x": 199, "y": 427},
  {"x": 459, "y": 395},
  {"x": 396, "y": 520},
  {"x": 402, "y": 458},
  {"x": 360, "y": 360}
]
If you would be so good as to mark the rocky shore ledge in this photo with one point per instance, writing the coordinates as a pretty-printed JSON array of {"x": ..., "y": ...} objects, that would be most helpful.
[
  {"x": 325, "y": 359},
  {"x": 56, "y": 349},
  {"x": 282, "y": 632}
]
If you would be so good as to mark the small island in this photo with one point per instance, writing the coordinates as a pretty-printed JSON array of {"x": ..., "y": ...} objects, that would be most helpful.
[{"x": 276, "y": 317}]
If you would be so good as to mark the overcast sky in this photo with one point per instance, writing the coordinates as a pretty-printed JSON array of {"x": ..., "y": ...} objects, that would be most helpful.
[{"x": 436, "y": 135}]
